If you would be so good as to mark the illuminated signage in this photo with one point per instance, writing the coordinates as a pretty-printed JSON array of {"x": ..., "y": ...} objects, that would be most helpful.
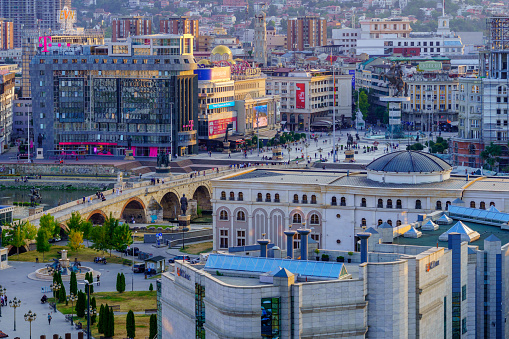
[
  {"x": 218, "y": 127},
  {"x": 222, "y": 104},
  {"x": 67, "y": 18},
  {"x": 45, "y": 43},
  {"x": 429, "y": 66},
  {"x": 301, "y": 96},
  {"x": 216, "y": 73},
  {"x": 261, "y": 116},
  {"x": 183, "y": 274},
  {"x": 432, "y": 265}
]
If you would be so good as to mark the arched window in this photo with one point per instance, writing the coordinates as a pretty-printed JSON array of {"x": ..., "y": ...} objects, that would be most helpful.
[
  {"x": 241, "y": 196},
  {"x": 295, "y": 199},
  {"x": 380, "y": 222},
  {"x": 472, "y": 204},
  {"x": 482, "y": 205},
  {"x": 223, "y": 195},
  {"x": 492, "y": 203},
  {"x": 334, "y": 201},
  {"x": 398, "y": 204},
  {"x": 363, "y": 202},
  {"x": 304, "y": 199},
  {"x": 398, "y": 223},
  {"x": 439, "y": 205},
  {"x": 315, "y": 220},
  {"x": 241, "y": 216},
  {"x": 418, "y": 205},
  {"x": 343, "y": 201},
  {"x": 380, "y": 203},
  {"x": 447, "y": 205},
  {"x": 313, "y": 199},
  {"x": 259, "y": 197},
  {"x": 276, "y": 197},
  {"x": 502, "y": 90},
  {"x": 232, "y": 196},
  {"x": 223, "y": 215},
  {"x": 297, "y": 219},
  {"x": 389, "y": 203},
  {"x": 363, "y": 222},
  {"x": 267, "y": 197},
  {"x": 389, "y": 222}
]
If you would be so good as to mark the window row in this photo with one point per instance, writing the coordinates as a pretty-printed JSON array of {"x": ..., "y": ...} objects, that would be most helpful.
[
  {"x": 296, "y": 219},
  {"x": 268, "y": 198},
  {"x": 482, "y": 204}
]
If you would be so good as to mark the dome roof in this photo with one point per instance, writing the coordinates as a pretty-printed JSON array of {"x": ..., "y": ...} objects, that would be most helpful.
[
  {"x": 409, "y": 161},
  {"x": 221, "y": 50},
  {"x": 204, "y": 62}
]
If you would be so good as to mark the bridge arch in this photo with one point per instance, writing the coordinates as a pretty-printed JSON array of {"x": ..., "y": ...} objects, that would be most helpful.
[
  {"x": 134, "y": 209},
  {"x": 170, "y": 203},
  {"x": 97, "y": 217},
  {"x": 202, "y": 196}
]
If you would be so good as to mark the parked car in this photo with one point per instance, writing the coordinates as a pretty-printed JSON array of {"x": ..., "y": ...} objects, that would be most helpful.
[
  {"x": 195, "y": 261},
  {"x": 179, "y": 257},
  {"x": 129, "y": 251},
  {"x": 139, "y": 268},
  {"x": 56, "y": 239}
]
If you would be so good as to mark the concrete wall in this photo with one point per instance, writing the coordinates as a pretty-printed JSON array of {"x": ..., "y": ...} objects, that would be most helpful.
[{"x": 57, "y": 169}]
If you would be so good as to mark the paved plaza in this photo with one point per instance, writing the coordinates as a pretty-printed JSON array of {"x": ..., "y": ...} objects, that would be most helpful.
[{"x": 15, "y": 280}]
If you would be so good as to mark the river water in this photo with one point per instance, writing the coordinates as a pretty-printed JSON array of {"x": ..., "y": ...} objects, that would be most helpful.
[{"x": 50, "y": 198}]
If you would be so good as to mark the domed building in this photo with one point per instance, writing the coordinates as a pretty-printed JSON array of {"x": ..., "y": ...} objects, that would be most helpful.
[
  {"x": 408, "y": 167},
  {"x": 220, "y": 53}
]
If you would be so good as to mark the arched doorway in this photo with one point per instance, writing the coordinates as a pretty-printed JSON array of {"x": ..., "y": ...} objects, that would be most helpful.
[
  {"x": 97, "y": 218},
  {"x": 171, "y": 205},
  {"x": 202, "y": 196},
  {"x": 134, "y": 210}
]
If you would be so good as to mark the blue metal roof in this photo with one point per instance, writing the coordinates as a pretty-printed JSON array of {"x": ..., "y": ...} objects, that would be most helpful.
[
  {"x": 317, "y": 269},
  {"x": 408, "y": 161},
  {"x": 477, "y": 214}
]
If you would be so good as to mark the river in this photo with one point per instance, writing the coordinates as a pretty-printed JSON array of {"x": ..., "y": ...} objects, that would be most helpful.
[{"x": 50, "y": 198}]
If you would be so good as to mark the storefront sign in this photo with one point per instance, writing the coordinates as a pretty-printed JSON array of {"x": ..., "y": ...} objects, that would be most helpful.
[
  {"x": 222, "y": 104},
  {"x": 432, "y": 265},
  {"x": 218, "y": 127},
  {"x": 183, "y": 274},
  {"x": 427, "y": 66},
  {"x": 301, "y": 96}
]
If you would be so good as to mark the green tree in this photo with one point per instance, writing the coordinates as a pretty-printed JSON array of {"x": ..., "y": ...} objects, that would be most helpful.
[
  {"x": 74, "y": 223},
  {"x": 153, "y": 326},
  {"x": 86, "y": 228},
  {"x": 75, "y": 242},
  {"x": 99, "y": 237},
  {"x": 122, "y": 282},
  {"x": 111, "y": 323},
  {"x": 81, "y": 304},
  {"x": 122, "y": 237},
  {"x": 93, "y": 306},
  {"x": 100, "y": 324},
  {"x": 41, "y": 242},
  {"x": 106, "y": 321},
  {"x": 491, "y": 154},
  {"x": 363, "y": 104},
  {"x": 90, "y": 279},
  {"x": 151, "y": 287},
  {"x": 130, "y": 325},
  {"x": 50, "y": 226},
  {"x": 73, "y": 284},
  {"x": 62, "y": 294},
  {"x": 18, "y": 235}
]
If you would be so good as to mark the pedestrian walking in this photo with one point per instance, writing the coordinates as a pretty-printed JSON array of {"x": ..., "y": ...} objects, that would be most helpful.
[
  {"x": 98, "y": 280},
  {"x": 83, "y": 200},
  {"x": 49, "y": 318}
]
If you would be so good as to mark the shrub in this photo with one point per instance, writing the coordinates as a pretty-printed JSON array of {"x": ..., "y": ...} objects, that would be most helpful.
[{"x": 151, "y": 287}]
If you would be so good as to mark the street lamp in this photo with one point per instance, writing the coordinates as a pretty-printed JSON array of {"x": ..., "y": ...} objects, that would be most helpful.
[
  {"x": 55, "y": 287},
  {"x": 15, "y": 303},
  {"x": 132, "y": 266},
  {"x": 289, "y": 149},
  {"x": 30, "y": 317},
  {"x": 306, "y": 145},
  {"x": 184, "y": 229},
  {"x": 72, "y": 298},
  {"x": 320, "y": 151},
  {"x": 2, "y": 293},
  {"x": 88, "y": 310}
]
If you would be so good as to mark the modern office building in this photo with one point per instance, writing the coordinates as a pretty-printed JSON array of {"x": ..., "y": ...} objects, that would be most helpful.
[
  {"x": 306, "y": 32},
  {"x": 180, "y": 25},
  {"x": 7, "y": 85},
  {"x": 141, "y": 93},
  {"x": 124, "y": 27},
  {"x": 307, "y": 97},
  {"x": 21, "y": 109},
  {"x": 6, "y": 34}
]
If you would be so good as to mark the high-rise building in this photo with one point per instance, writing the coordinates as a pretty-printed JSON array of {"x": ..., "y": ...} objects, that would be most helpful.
[
  {"x": 305, "y": 32},
  {"x": 6, "y": 34},
  {"x": 179, "y": 25},
  {"x": 7, "y": 85},
  {"x": 32, "y": 14},
  {"x": 260, "y": 39},
  {"x": 138, "y": 94},
  {"x": 124, "y": 27},
  {"x": 31, "y": 44}
]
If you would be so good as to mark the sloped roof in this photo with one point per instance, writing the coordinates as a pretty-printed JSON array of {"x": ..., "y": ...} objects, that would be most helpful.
[{"x": 467, "y": 234}]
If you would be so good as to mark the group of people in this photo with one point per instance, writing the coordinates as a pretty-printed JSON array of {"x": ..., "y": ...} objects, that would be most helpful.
[
  {"x": 100, "y": 195},
  {"x": 3, "y": 300}
]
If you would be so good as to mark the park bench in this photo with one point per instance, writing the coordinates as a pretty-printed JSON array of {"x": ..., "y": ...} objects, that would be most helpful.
[{"x": 115, "y": 308}]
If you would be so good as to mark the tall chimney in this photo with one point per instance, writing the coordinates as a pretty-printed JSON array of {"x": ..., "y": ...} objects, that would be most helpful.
[
  {"x": 304, "y": 232},
  {"x": 263, "y": 247},
  {"x": 289, "y": 243},
  {"x": 364, "y": 245}
]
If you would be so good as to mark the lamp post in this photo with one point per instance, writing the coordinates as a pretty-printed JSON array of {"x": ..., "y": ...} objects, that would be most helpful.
[
  {"x": 72, "y": 298},
  {"x": 320, "y": 151},
  {"x": 289, "y": 149},
  {"x": 30, "y": 317},
  {"x": 132, "y": 266},
  {"x": 15, "y": 303},
  {"x": 55, "y": 287},
  {"x": 306, "y": 145},
  {"x": 2, "y": 293},
  {"x": 184, "y": 229},
  {"x": 88, "y": 310}
]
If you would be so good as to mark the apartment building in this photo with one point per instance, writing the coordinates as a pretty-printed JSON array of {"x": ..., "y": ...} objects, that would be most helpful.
[
  {"x": 305, "y": 32},
  {"x": 124, "y": 27}
]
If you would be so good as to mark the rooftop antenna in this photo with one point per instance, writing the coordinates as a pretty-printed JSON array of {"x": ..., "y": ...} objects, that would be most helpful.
[{"x": 443, "y": 7}]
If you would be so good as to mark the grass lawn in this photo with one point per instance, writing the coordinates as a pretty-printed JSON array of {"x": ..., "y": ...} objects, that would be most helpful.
[
  {"x": 83, "y": 255},
  {"x": 134, "y": 301},
  {"x": 142, "y": 323},
  {"x": 198, "y": 248}
]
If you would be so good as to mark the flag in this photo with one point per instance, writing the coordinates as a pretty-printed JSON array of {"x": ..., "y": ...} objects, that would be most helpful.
[{"x": 448, "y": 121}]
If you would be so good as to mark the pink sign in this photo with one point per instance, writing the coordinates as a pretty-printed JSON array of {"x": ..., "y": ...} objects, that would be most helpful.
[
  {"x": 46, "y": 44},
  {"x": 218, "y": 127}
]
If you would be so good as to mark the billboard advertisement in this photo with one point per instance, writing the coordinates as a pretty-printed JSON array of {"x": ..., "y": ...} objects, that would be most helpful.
[
  {"x": 218, "y": 127},
  {"x": 211, "y": 74},
  {"x": 352, "y": 73},
  {"x": 222, "y": 104},
  {"x": 301, "y": 96},
  {"x": 260, "y": 118}
]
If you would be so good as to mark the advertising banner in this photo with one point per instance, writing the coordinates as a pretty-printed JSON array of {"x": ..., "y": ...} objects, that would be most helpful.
[
  {"x": 261, "y": 119},
  {"x": 301, "y": 96},
  {"x": 218, "y": 127},
  {"x": 352, "y": 73},
  {"x": 216, "y": 73},
  {"x": 222, "y": 104}
]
